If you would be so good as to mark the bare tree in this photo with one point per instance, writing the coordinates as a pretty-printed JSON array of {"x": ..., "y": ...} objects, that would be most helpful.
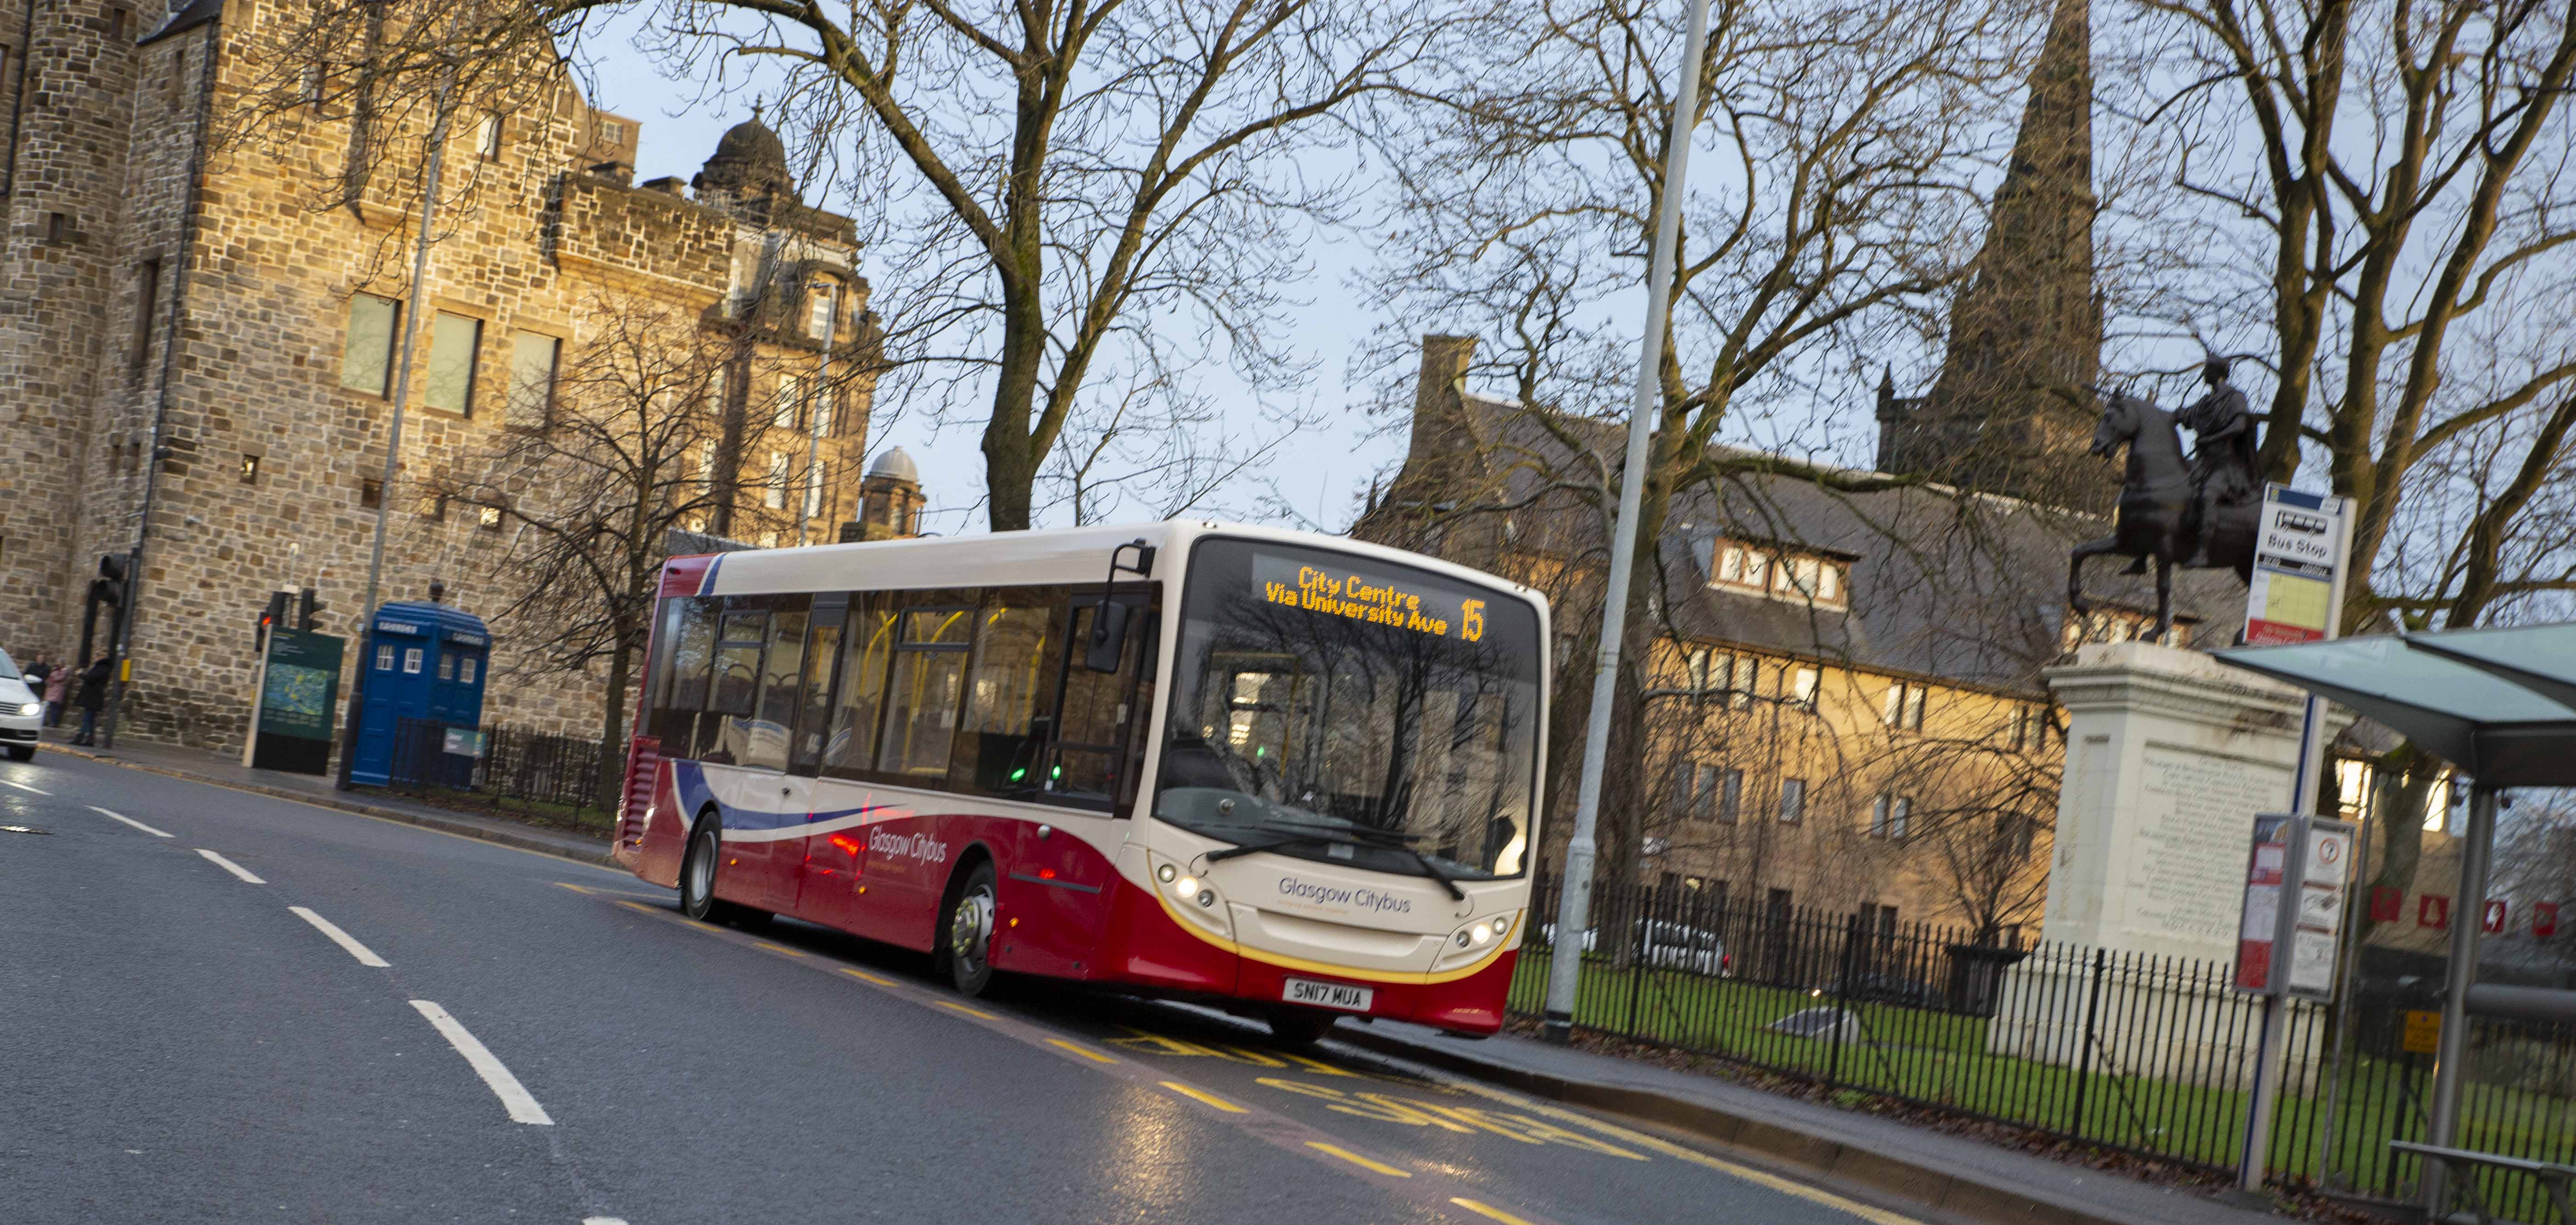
[
  {"x": 588, "y": 485},
  {"x": 2382, "y": 197},
  {"x": 1848, "y": 137},
  {"x": 1079, "y": 170}
]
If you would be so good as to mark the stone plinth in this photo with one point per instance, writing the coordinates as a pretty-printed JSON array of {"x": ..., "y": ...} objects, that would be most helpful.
[{"x": 2169, "y": 756}]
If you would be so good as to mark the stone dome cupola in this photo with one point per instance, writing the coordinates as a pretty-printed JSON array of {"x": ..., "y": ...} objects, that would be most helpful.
[
  {"x": 895, "y": 464},
  {"x": 749, "y": 162}
]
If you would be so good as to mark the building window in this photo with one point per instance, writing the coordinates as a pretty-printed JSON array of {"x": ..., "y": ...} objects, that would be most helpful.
[
  {"x": 813, "y": 490},
  {"x": 178, "y": 76},
  {"x": 487, "y": 518},
  {"x": 775, "y": 496},
  {"x": 707, "y": 467},
  {"x": 823, "y": 411},
  {"x": 384, "y": 657},
  {"x": 819, "y": 311},
  {"x": 447, "y": 667},
  {"x": 411, "y": 661},
  {"x": 1793, "y": 800},
  {"x": 58, "y": 227},
  {"x": 147, "y": 306},
  {"x": 1730, "y": 796},
  {"x": 454, "y": 347},
  {"x": 716, "y": 393},
  {"x": 1904, "y": 708},
  {"x": 465, "y": 670},
  {"x": 317, "y": 80},
  {"x": 487, "y": 138},
  {"x": 367, "y": 351},
  {"x": 371, "y": 493},
  {"x": 534, "y": 358},
  {"x": 250, "y": 469},
  {"x": 1802, "y": 687},
  {"x": 611, "y": 132},
  {"x": 791, "y": 394},
  {"x": 1892, "y": 816}
]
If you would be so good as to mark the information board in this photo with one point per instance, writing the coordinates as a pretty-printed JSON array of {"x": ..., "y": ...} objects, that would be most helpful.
[
  {"x": 2299, "y": 540},
  {"x": 2297, "y": 883},
  {"x": 296, "y": 701}
]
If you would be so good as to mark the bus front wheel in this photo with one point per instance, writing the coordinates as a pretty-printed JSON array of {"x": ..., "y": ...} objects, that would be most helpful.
[
  {"x": 966, "y": 941},
  {"x": 698, "y": 870}
]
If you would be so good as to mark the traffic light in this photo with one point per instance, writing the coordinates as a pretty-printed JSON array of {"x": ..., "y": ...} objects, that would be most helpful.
[
  {"x": 109, "y": 587},
  {"x": 275, "y": 617},
  {"x": 307, "y": 608}
]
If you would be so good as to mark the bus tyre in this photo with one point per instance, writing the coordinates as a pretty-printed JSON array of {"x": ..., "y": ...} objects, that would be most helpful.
[
  {"x": 966, "y": 940},
  {"x": 1299, "y": 1026},
  {"x": 698, "y": 870}
]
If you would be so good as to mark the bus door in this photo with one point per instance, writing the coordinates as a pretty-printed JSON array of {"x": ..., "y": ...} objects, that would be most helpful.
[
  {"x": 818, "y": 898},
  {"x": 759, "y": 675},
  {"x": 1065, "y": 880}
]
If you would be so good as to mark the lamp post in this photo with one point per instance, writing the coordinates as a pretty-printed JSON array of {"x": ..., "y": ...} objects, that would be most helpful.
[
  {"x": 1565, "y": 959},
  {"x": 445, "y": 111}
]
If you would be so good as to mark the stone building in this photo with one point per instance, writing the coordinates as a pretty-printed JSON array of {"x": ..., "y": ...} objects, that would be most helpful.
[
  {"x": 890, "y": 499},
  {"x": 198, "y": 359}
]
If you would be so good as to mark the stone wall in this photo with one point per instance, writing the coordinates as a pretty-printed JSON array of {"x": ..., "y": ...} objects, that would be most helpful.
[{"x": 268, "y": 457}]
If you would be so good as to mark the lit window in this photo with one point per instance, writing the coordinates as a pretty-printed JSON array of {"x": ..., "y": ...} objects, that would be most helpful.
[{"x": 250, "y": 469}]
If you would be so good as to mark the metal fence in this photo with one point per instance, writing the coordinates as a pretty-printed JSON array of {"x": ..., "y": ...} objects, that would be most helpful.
[
  {"x": 497, "y": 763},
  {"x": 2147, "y": 1055}
]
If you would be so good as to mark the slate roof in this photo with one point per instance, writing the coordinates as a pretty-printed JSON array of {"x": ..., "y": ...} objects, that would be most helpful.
[{"x": 1962, "y": 586}]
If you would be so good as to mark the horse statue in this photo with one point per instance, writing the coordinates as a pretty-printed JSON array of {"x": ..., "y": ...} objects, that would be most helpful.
[{"x": 2165, "y": 514}]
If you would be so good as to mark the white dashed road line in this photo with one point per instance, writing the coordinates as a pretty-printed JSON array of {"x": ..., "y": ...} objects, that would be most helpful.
[
  {"x": 366, "y": 956},
  {"x": 118, "y": 816},
  {"x": 523, "y": 1108},
  {"x": 25, "y": 787},
  {"x": 229, "y": 866}
]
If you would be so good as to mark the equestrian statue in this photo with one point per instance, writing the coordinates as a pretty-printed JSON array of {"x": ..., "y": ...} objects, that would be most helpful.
[{"x": 2198, "y": 510}]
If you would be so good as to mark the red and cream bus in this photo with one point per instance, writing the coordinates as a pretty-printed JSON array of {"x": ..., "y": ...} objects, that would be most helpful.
[{"x": 1292, "y": 774}]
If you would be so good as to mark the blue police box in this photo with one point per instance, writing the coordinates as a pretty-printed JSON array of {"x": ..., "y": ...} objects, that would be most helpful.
[{"x": 422, "y": 661}]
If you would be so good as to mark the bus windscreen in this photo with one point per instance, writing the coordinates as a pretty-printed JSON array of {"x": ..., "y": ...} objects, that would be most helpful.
[{"x": 1352, "y": 710}]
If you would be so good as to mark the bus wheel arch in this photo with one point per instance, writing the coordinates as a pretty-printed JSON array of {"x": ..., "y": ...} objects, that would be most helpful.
[{"x": 962, "y": 943}]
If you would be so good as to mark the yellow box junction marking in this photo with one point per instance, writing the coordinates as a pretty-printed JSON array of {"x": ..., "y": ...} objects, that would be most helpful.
[
  {"x": 1209, "y": 1098},
  {"x": 1378, "y": 1167},
  {"x": 1486, "y": 1210}
]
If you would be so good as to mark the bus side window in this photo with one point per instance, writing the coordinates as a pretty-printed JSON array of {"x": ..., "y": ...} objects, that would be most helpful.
[
  {"x": 736, "y": 684},
  {"x": 921, "y": 701},
  {"x": 850, "y": 748},
  {"x": 687, "y": 645},
  {"x": 760, "y": 737},
  {"x": 1008, "y": 693},
  {"x": 822, "y": 654}
]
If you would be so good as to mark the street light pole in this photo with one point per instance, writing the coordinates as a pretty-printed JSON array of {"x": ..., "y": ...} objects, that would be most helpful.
[
  {"x": 402, "y": 396},
  {"x": 1565, "y": 960}
]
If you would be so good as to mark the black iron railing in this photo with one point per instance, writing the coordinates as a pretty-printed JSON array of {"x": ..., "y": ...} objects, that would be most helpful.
[
  {"x": 499, "y": 763},
  {"x": 2128, "y": 1051}
]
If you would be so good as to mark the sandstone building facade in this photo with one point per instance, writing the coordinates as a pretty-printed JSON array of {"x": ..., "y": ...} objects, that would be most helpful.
[{"x": 198, "y": 358}]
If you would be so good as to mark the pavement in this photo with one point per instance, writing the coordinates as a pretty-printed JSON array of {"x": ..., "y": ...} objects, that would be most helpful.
[{"x": 229, "y": 998}]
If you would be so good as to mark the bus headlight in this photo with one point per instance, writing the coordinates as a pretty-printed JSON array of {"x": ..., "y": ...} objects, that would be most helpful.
[
  {"x": 1482, "y": 934},
  {"x": 1166, "y": 873},
  {"x": 1186, "y": 887}
]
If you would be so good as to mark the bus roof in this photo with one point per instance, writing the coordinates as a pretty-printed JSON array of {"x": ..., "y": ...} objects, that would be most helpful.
[{"x": 1052, "y": 555}]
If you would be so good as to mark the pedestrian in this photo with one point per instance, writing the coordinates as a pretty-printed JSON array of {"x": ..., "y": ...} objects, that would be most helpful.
[
  {"x": 36, "y": 671},
  {"x": 92, "y": 697},
  {"x": 57, "y": 684}
]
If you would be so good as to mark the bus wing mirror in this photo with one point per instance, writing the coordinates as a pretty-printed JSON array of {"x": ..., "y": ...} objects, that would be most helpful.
[{"x": 1107, "y": 647}]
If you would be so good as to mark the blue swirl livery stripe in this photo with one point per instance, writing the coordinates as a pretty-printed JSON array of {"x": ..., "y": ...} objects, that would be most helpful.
[
  {"x": 707, "y": 581},
  {"x": 742, "y": 824}
]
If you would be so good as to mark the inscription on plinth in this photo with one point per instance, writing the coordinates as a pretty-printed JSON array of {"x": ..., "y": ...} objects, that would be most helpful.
[{"x": 2185, "y": 864}]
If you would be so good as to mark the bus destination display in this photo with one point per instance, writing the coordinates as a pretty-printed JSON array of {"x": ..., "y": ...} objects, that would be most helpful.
[{"x": 1344, "y": 592}]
